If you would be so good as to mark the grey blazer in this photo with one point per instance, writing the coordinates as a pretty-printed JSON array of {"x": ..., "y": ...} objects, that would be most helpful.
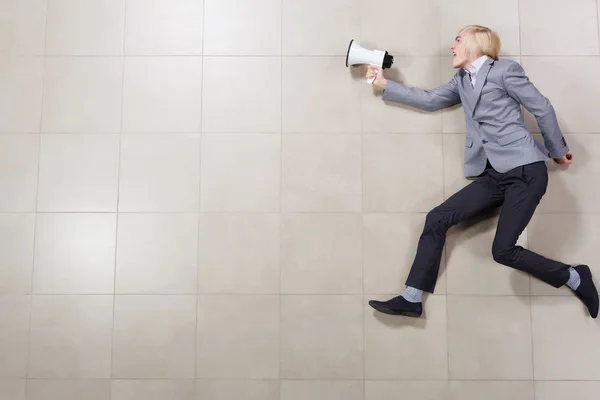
[{"x": 495, "y": 128}]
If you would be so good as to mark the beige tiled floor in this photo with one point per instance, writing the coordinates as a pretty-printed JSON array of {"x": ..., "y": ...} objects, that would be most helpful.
[{"x": 198, "y": 199}]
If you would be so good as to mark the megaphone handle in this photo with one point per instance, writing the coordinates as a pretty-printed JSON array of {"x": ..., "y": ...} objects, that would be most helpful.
[{"x": 371, "y": 80}]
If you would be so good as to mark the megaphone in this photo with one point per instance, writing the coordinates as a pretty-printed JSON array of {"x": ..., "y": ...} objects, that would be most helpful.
[{"x": 357, "y": 55}]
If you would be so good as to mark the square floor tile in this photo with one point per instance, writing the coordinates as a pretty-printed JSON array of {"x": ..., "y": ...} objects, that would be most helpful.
[
  {"x": 576, "y": 244},
  {"x": 85, "y": 28},
  {"x": 234, "y": 390},
  {"x": 379, "y": 116},
  {"x": 18, "y": 172},
  {"x": 575, "y": 99},
  {"x": 70, "y": 337},
  {"x": 389, "y": 186},
  {"x": 390, "y": 243},
  {"x": 74, "y": 253},
  {"x": 157, "y": 253},
  {"x": 322, "y": 173},
  {"x": 238, "y": 342},
  {"x": 164, "y": 27},
  {"x": 78, "y": 173},
  {"x": 82, "y": 94},
  {"x": 404, "y": 347},
  {"x": 565, "y": 340},
  {"x": 489, "y": 337},
  {"x": 238, "y": 27},
  {"x": 22, "y": 27},
  {"x": 21, "y": 81},
  {"x": 16, "y": 252},
  {"x": 154, "y": 337},
  {"x": 159, "y": 173},
  {"x": 162, "y": 94},
  {"x": 306, "y": 79},
  {"x": 255, "y": 83},
  {"x": 317, "y": 27},
  {"x": 98, "y": 389},
  {"x": 14, "y": 314},
  {"x": 381, "y": 29},
  {"x": 253, "y": 267},
  {"x": 543, "y": 39},
  {"x": 500, "y": 15},
  {"x": 12, "y": 389},
  {"x": 565, "y": 390},
  {"x": 321, "y": 254},
  {"x": 153, "y": 390},
  {"x": 423, "y": 390},
  {"x": 240, "y": 173},
  {"x": 321, "y": 337},
  {"x": 471, "y": 266},
  {"x": 322, "y": 390},
  {"x": 465, "y": 390}
]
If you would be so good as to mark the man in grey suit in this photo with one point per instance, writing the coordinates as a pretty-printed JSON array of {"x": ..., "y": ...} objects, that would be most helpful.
[{"x": 500, "y": 151}]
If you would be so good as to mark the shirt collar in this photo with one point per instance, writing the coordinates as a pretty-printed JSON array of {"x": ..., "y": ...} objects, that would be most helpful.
[{"x": 476, "y": 66}]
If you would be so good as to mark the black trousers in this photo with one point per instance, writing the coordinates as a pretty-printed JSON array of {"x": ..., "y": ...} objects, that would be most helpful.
[{"x": 518, "y": 191}]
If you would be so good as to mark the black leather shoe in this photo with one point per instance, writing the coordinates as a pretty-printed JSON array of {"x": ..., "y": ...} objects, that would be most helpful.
[
  {"x": 586, "y": 291},
  {"x": 398, "y": 306}
]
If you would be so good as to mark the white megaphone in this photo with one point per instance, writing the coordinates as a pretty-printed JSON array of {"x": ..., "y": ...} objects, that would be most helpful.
[{"x": 357, "y": 55}]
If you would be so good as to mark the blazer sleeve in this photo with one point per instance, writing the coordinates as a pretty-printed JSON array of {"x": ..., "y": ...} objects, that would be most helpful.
[
  {"x": 519, "y": 87},
  {"x": 429, "y": 100}
]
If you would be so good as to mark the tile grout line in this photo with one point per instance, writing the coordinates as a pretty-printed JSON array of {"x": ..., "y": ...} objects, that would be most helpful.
[
  {"x": 158, "y": 294},
  {"x": 332, "y": 55},
  {"x": 196, "y": 330},
  {"x": 299, "y": 134},
  {"x": 444, "y": 251},
  {"x": 530, "y": 285},
  {"x": 308, "y": 379},
  {"x": 230, "y": 55},
  {"x": 362, "y": 223},
  {"x": 443, "y": 114},
  {"x": 279, "y": 258},
  {"x": 112, "y": 339},
  {"x": 532, "y": 345},
  {"x": 37, "y": 192},
  {"x": 362, "y": 262},
  {"x": 598, "y": 26},
  {"x": 588, "y": 214}
]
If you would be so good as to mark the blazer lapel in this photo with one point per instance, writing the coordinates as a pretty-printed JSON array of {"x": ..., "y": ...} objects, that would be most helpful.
[{"x": 480, "y": 81}]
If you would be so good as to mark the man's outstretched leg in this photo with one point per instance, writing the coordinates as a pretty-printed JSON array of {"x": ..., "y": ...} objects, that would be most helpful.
[
  {"x": 479, "y": 196},
  {"x": 522, "y": 195}
]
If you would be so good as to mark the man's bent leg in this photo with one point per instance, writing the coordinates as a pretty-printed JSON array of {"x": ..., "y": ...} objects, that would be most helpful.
[
  {"x": 522, "y": 195},
  {"x": 477, "y": 197}
]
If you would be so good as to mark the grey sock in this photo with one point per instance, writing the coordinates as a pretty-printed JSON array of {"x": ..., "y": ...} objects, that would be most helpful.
[
  {"x": 412, "y": 295},
  {"x": 574, "y": 279}
]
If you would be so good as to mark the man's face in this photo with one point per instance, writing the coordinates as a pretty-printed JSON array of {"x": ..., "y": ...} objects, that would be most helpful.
[{"x": 461, "y": 56}]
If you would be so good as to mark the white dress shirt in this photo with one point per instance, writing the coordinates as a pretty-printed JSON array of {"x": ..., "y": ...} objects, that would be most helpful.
[{"x": 474, "y": 68}]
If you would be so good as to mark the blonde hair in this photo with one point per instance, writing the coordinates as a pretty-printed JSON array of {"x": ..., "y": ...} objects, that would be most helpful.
[{"x": 479, "y": 39}]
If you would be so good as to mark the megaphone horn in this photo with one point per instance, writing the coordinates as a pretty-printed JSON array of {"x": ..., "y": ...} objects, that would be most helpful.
[{"x": 358, "y": 55}]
